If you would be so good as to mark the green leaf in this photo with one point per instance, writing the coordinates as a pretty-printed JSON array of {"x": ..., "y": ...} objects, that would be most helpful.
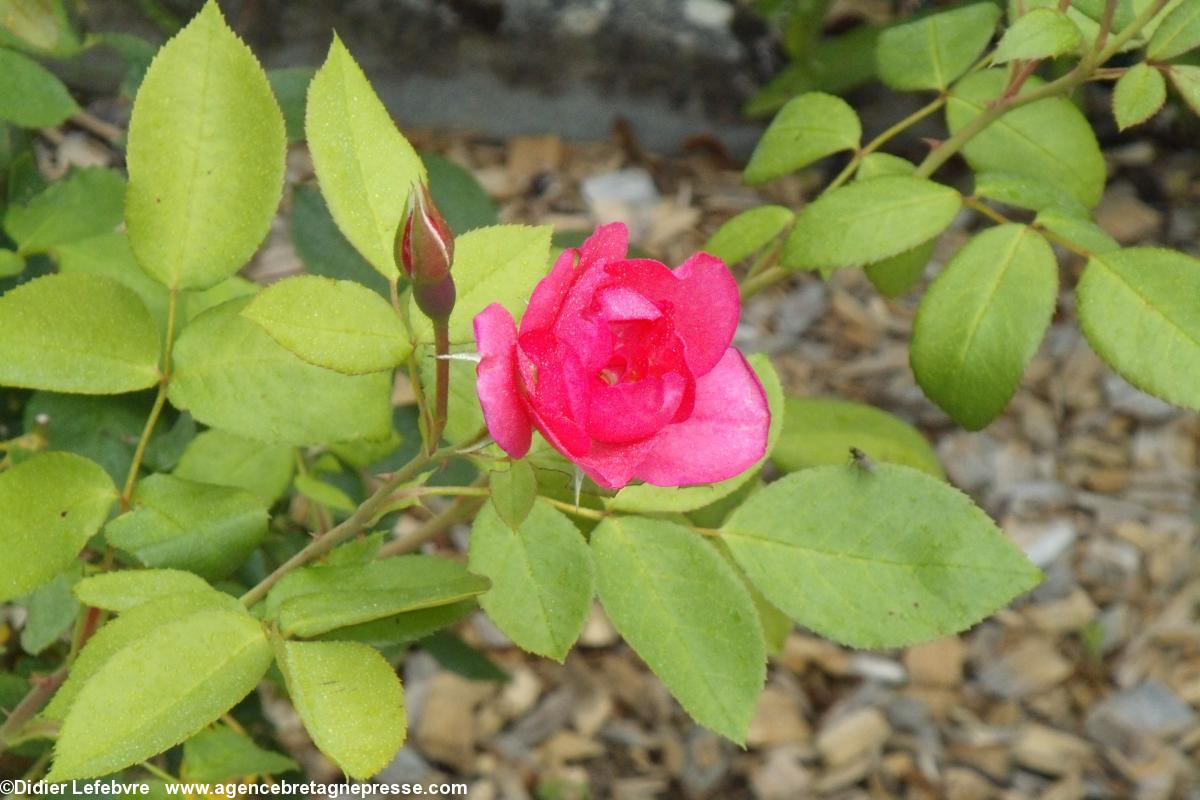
[
  {"x": 205, "y": 156},
  {"x": 230, "y": 374},
  {"x": 77, "y": 333},
  {"x": 196, "y": 303},
  {"x": 1138, "y": 95},
  {"x": 30, "y": 95},
  {"x": 514, "y": 491},
  {"x": 290, "y": 86},
  {"x": 748, "y": 232},
  {"x": 500, "y": 264},
  {"x": 50, "y": 505},
  {"x": 199, "y": 527},
  {"x": 880, "y": 165},
  {"x": 454, "y": 654},
  {"x": 325, "y": 494},
  {"x": 315, "y": 600},
  {"x": 350, "y": 701},
  {"x": 463, "y": 202},
  {"x": 869, "y": 221},
  {"x": 806, "y": 129},
  {"x": 647, "y": 498},
  {"x": 221, "y": 754},
  {"x": 339, "y": 325},
  {"x": 404, "y": 628},
  {"x": 108, "y": 255},
  {"x": 1025, "y": 191},
  {"x": 1123, "y": 11},
  {"x": 322, "y": 247},
  {"x": 685, "y": 611},
  {"x": 1081, "y": 232},
  {"x": 103, "y": 429},
  {"x": 134, "y": 625},
  {"x": 41, "y": 25},
  {"x": 1138, "y": 309},
  {"x": 52, "y": 609},
  {"x": 1186, "y": 81},
  {"x": 129, "y": 588},
  {"x": 365, "y": 166},
  {"x": 86, "y": 203},
  {"x": 1039, "y": 33},
  {"x": 541, "y": 574},
  {"x": 894, "y": 276},
  {"x": 1178, "y": 33},
  {"x": 116, "y": 721},
  {"x": 881, "y": 558},
  {"x": 819, "y": 431},
  {"x": 11, "y": 263},
  {"x": 227, "y": 459},
  {"x": 930, "y": 52},
  {"x": 1049, "y": 140},
  {"x": 981, "y": 322}
]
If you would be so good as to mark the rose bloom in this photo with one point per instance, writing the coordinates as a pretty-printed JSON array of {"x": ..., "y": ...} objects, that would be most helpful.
[{"x": 624, "y": 366}]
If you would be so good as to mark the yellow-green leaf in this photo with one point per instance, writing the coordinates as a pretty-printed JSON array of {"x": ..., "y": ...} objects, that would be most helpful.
[{"x": 806, "y": 129}]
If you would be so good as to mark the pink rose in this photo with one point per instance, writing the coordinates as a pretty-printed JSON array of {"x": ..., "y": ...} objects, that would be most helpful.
[{"x": 624, "y": 365}]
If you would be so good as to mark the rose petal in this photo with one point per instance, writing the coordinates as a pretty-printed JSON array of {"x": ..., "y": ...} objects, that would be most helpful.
[
  {"x": 612, "y": 466},
  {"x": 704, "y": 299},
  {"x": 496, "y": 380},
  {"x": 609, "y": 242},
  {"x": 628, "y": 412},
  {"x": 555, "y": 391},
  {"x": 726, "y": 433}
]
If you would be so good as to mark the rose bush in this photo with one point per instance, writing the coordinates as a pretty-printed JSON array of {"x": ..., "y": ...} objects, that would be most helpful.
[{"x": 625, "y": 366}]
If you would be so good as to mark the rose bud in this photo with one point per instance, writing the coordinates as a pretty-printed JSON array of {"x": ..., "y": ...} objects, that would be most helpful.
[
  {"x": 425, "y": 250},
  {"x": 625, "y": 367}
]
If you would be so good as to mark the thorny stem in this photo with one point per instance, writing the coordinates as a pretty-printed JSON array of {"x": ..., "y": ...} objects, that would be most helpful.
[
  {"x": 441, "y": 335},
  {"x": 361, "y": 517},
  {"x": 42, "y": 689},
  {"x": 458, "y": 511}
]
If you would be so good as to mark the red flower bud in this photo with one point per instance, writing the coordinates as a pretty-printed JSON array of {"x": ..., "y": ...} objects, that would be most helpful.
[{"x": 425, "y": 250}]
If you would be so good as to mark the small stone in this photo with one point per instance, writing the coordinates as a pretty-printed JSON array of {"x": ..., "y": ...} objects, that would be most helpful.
[
  {"x": 519, "y": 694},
  {"x": 446, "y": 731},
  {"x": 782, "y": 776},
  {"x": 1125, "y": 217},
  {"x": 1149, "y": 709},
  {"x": 1072, "y": 613},
  {"x": 777, "y": 720},
  {"x": 936, "y": 663},
  {"x": 1127, "y": 399},
  {"x": 566, "y": 746},
  {"x": 1032, "y": 665},
  {"x": 962, "y": 783},
  {"x": 878, "y": 669},
  {"x": 852, "y": 736},
  {"x": 1044, "y": 541},
  {"x": 1050, "y": 751},
  {"x": 591, "y": 712},
  {"x": 597, "y": 630},
  {"x": 706, "y": 762}
]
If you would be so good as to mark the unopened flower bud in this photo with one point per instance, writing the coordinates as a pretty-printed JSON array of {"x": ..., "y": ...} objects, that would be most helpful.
[{"x": 425, "y": 250}]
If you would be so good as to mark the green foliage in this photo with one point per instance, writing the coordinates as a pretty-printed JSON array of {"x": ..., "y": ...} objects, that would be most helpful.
[
  {"x": 869, "y": 221},
  {"x": 290, "y": 86},
  {"x": 513, "y": 492},
  {"x": 1138, "y": 310},
  {"x": 500, "y": 264},
  {"x": 339, "y": 325},
  {"x": 322, "y": 247},
  {"x": 175, "y": 523},
  {"x": 350, "y": 701},
  {"x": 77, "y": 333},
  {"x": 1138, "y": 95},
  {"x": 541, "y": 576},
  {"x": 1040, "y": 33},
  {"x": 1178, "y": 33},
  {"x": 880, "y": 557},
  {"x": 462, "y": 201},
  {"x": 86, "y": 203},
  {"x": 934, "y": 50},
  {"x": 52, "y": 610},
  {"x": 365, "y": 166},
  {"x": 748, "y": 232},
  {"x": 1186, "y": 81},
  {"x": 981, "y": 322},
  {"x": 116, "y": 721},
  {"x": 684, "y": 610},
  {"x": 806, "y": 129},
  {"x": 1047, "y": 140},
  {"x": 121, "y": 591},
  {"x": 220, "y": 753},
  {"x": 40, "y": 539},
  {"x": 30, "y": 95},
  {"x": 230, "y": 374},
  {"x": 819, "y": 431},
  {"x": 205, "y": 155},
  {"x": 226, "y": 459}
]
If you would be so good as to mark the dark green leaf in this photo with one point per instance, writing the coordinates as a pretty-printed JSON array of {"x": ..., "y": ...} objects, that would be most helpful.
[
  {"x": 86, "y": 203},
  {"x": 290, "y": 86},
  {"x": 220, "y": 753},
  {"x": 30, "y": 95},
  {"x": 932, "y": 51},
  {"x": 456, "y": 193}
]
